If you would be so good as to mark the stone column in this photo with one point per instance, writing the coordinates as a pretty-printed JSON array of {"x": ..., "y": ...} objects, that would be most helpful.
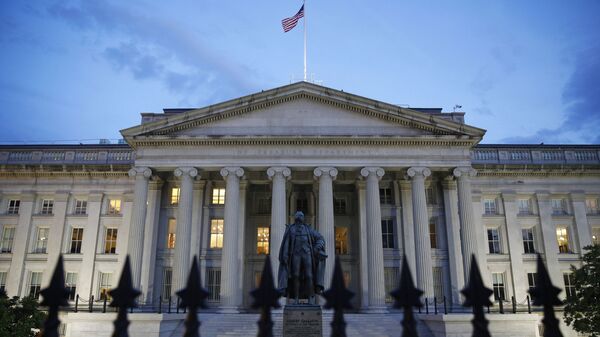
[
  {"x": 408, "y": 230},
  {"x": 278, "y": 175},
  {"x": 230, "y": 257},
  {"x": 183, "y": 231},
  {"x": 364, "y": 262},
  {"x": 421, "y": 223},
  {"x": 326, "y": 176},
  {"x": 455, "y": 258},
  {"x": 514, "y": 233},
  {"x": 548, "y": 230},
  {"x": 138, "y": 222},
  {"x": 584, "y": 232},
  {"x": 468, "y": 233},
  {"x": 374, "y": 238},
  {"x": 151, "y": 238}
]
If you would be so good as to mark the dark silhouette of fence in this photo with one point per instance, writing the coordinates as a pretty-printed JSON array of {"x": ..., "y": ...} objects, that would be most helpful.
[{"x": 266, "y": 296}]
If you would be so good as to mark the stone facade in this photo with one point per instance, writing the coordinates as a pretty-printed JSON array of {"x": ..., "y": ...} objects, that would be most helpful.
[{"x": 377, "y": 180}]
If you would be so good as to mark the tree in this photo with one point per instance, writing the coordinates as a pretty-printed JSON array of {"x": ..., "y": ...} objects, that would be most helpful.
[
  {"x": 582, "y": 310},
  {"x": 19, "y": 316}
]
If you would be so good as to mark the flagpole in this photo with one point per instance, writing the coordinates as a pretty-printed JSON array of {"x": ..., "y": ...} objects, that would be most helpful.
[{"x": 304, "y": 22}]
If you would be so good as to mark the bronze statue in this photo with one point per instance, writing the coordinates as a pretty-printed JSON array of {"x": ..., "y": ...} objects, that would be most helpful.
[{"x": 301, "y": 261}]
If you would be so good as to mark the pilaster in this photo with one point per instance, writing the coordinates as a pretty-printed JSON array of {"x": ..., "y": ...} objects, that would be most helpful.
[
  {"x": 549, "y": 237},
  {"x": 584, "y": 232},
  {"x": 92, "y": 234},
  {"x": 15, "y": 277},
  {"x": 515, "y": 245}
]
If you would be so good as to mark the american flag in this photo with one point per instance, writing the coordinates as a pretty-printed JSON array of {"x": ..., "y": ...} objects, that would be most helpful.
[{"x": 291, "y": 22}]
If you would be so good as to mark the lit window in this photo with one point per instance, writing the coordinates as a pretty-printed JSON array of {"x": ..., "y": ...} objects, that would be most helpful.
[
  {"x": 569, "y": 286},
  {"x": 13, "y": 206},
  {"x": 433, "y": 235},
  {"x": 528, "y": 241},
  {"x": 8, "y": 236},
  {"x": 175, "y": 195},
  {"x": 41, "y": 243},
  {"x": 559, "y": 207},
  {"x": 114, "y": 206},
  {"x": 562, "y": 237},
  {"x": 80, "y": 207},
  {"x": 592, "y": 207},
  {"x": 171, "y": 233},
  {"x": 262, "y": 240},
  {"x": 216, "y": 233},
  {"x": 596, "y": 235},
  {"x": 391, "y": 277},
  {"x": 385, "y": 196},
  {"x": 47, "y": 206},
  {"x": 387, "y": 232},
  {"x": 218, "y": 196},
  {"x": 3, "y": 276},
  {"x": 490, "y": 207},
  {"x": 339, "y": 206},
  {"x": 498, "y": 283},
  {"x": 76, "y": 240},
  {"x": 438, "y": 283},
  {"x": 35, "y": 284},
  {"x": 213, "y": 284},
  {"x": 341, "y": 240},
  {"x": 531, "y": 281},
  {"x": 71, "y": 285},
  {"x": 110, "y": 241},
  {"x": 104, "y": 285},
  {"x": 167, "y": 284},
  {"x": 524, "y": 207},
  {"x": 493, "y": 241}
]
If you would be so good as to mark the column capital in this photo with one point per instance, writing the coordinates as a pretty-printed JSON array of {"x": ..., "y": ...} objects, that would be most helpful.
[
  {"x": 465, "y": 171},
  {"x": 140, "y": 171},
  {"x": 416, "y": 171},
  {"x": 285, "y": 172},
  {"x": 232, "y": 171},
  {"x": 322, "y": 171},
  {"x": 449, "y": 183},
  {"x": 377, "y": 172},
  {"x": 186, "y": 170}
]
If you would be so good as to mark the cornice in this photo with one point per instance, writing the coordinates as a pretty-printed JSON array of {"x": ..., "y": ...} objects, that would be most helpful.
[
  {"x": 38, "y": 174},
  {"x": 537, "y": 173}
]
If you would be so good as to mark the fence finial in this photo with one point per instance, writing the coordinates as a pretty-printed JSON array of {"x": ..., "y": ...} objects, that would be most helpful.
[
  {"x": 407, "y": 297},
  {"x": 193, "y": 296},
  {"x": 55, "y": 296},
  {"x": 477, "y": 296},
  {"x": 546, "y": 294},
  {"x": 338, "y": 297},
  {"x": 266, "y": 296},
  {"x": 123, "y": 297}
]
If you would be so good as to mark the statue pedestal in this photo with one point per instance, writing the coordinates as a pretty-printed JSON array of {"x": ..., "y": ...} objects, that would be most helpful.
[{"x": 302, "y": 320}]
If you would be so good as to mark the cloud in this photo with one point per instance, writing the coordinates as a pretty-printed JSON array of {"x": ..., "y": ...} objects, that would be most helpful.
[{"x": 128, "y": 56}]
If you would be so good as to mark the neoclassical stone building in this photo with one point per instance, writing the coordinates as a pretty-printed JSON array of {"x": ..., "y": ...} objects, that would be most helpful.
[{"x": 379, "y": 182}]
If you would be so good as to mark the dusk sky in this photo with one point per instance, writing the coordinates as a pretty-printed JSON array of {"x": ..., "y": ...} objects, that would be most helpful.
[{"x": 76, "y": 71}]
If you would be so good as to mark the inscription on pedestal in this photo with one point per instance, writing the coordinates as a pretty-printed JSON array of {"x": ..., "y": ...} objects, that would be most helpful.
[{"x": 302, "y": 321}]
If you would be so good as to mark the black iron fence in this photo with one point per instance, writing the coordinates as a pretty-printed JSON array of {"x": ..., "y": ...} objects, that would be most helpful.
[{"x": 266, "y": 296}]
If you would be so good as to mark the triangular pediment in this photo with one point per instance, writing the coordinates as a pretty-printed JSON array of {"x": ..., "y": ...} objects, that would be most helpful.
[{"x": 302, "y": 109}]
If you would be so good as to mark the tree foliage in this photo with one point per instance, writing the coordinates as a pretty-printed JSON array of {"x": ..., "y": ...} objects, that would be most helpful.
[
  {"x": 20, "y": 317},
  {"x": 582, "y": 310}
]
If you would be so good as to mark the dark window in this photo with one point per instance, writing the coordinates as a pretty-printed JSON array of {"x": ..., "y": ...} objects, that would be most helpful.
[
  {"x": 385, "y": 196},
  {"x": 339, "y": 206},
  {"x": 387, "y": 231}
]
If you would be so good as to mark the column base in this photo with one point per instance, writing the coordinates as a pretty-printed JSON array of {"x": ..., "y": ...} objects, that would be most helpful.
[{"x": 229, "y": 310}]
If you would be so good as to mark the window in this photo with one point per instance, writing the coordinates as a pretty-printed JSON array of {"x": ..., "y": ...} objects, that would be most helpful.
[
  {"x": 114, "y": 206},
  {"x": 218, "y": 196},
  {"x": 339, "y": 206},
  {"x": 110, "y": 241},
  {"x": 498, "y": 283},
  {"x": 490, "y": 207},
  {"x": 596, "y": 235},
  {"x": 3, "y": 281},
  {"x": 493, "y": 241},
  {"x": 524, "y": 207},
  {"x": 171, "y": 233},
  {"x": 104, "y": 285},
  {"x": 13, "y": 206},
  {"x": 433, "y": 235},
  {"x": 216, "y": 233},
  {"x": 438, "y": 283},
  {"x": 385, "y": 196},
  {"x": 302, "y": 204},
  {"x": 391, "y": 276},
  {"x": 387, "y": 231},
  {"x": 531, "y": 281},
  {"x": 262, "y": 240},
  {"x": 76, "y": 239},
  {"x": 47, "y": 205},
  {"x": 558, "y": 207},
  {"x": 341, "y": 240},
  {"x": 8, "y": 236},
  {"x": 41, "y": 241},
  {"x": 213, "y": 284},
  {"x": 592, "y": 207},
  {"x": 562, "y": 237},
  {"x": 528, "y": 241},
  {"x": 264, "y": 206},
  {"x": 35, "y": 284},
  {"x": 175, "y": 195},
  {"x": 80, "y": 207},
  {"x": 430, "y": 196},
  {"x": 71, "y": 285},
  {"x": 569, "y": 286},
  {"x": 167, "y": 284}
]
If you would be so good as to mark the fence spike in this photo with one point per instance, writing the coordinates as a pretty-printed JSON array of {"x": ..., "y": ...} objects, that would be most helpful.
[
  {"x": 55, "y": 296},
  {"x": 123, "y": 297},
  {"x": 266, "y": 296},
  {"x": 193, "y": 296},
  {"x": 406, "y": 297},
  {"x": 546, "y": 294},
  {"x": 338, "y": 297},
  {"x": 477, "y": 296}
]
